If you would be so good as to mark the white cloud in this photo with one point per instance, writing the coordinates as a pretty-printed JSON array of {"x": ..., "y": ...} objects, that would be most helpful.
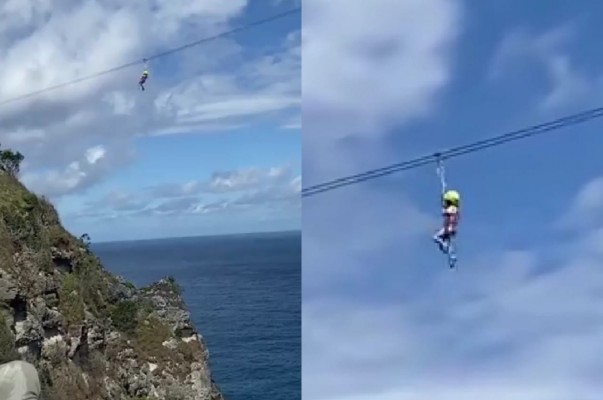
[
  {"x": 248, "y": 178},
  {"x": 233, "y": 107},
  {"x": 77, "y": 175},
  {"x": 511, "y": 334},
  {"x": 585, "y": 211},
  {"x": 176, "y": 189},
  {"x": 273, "y": 86},
  {"x": 210, "y": 208},
  {"x": 550, "y": 50},
  {"x": 122, "y": 104},
  {"x": 293, "y": 124},
  {"x": 342, "y": 229},
  {"x": 496, "y": 389},
  {"x": 94, "y": 154},
  {"x": 243, "y": 179},
  {"x": 520, "y": 43},
  {"x": 568, "y": 85},
  {"x": 174, "y": 206},
  {"x": 296, "y": 184},
  {"x": 119, "y": 200},
  {"x": 373, "y": 75},
  {"x": 218, "y": 87},
  {"x": 245, "y": 189}
]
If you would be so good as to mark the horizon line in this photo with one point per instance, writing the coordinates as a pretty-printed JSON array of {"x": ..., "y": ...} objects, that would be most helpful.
[{"x": 198, "y": 236}]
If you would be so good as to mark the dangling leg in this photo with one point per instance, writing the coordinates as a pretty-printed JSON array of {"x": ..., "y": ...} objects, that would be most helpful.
[
  {"x": 451, "y": 251},
  {"x": 442, "y": 239}
]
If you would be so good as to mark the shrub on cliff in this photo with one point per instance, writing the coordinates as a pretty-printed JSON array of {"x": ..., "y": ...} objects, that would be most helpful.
[
  {"x": 10, "y": 162},
  {"x": 125, "y": 316},
  {"x": 7, "y": 342}
]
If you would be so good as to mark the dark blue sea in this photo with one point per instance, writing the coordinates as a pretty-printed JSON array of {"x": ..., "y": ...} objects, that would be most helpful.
[{"x": 244, "y": 295}]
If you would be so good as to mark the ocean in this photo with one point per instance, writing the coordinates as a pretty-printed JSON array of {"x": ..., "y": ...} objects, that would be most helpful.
[{"x": 244, "y": 295}]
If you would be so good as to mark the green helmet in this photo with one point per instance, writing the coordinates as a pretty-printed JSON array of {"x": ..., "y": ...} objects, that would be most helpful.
[{"x": 452, "y": 196}]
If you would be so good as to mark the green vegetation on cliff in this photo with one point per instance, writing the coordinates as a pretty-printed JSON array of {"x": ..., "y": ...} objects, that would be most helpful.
[{"x": 92, "y": 335}]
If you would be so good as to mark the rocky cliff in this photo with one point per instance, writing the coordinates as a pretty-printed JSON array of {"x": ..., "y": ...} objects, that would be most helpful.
[{"x": 91, "y": 335}]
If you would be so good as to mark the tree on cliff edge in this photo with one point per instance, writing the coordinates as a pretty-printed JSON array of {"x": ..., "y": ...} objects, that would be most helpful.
[{"x": 10, "y": 162}]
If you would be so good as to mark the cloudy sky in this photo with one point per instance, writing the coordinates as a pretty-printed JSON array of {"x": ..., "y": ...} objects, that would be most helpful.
[
  {"x": 383, "y": 316},
  {"x": 212, "y": 146}
]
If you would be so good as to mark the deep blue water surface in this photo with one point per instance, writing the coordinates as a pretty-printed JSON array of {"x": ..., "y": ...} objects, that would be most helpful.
[{"x": 243, "y": 293}]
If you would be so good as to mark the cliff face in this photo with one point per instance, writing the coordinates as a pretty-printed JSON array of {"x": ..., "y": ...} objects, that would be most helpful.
[{"x": 91, "y": 334}]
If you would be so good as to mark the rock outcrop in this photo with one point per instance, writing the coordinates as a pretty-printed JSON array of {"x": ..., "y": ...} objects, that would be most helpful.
[{"x": 90, "y": 334}]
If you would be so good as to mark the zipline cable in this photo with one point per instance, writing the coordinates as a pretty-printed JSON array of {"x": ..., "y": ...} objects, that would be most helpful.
[
  {"x": 534, "y": 130},
  {"x": 155, "y": 56}
]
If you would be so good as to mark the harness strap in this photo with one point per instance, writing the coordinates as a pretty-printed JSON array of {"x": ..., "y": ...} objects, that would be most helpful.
[{"x": 441, "y": 171}]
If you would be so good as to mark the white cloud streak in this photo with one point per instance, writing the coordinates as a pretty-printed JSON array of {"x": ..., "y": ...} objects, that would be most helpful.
[
  {"x": 550, "y": 50},
  {"x": 246, "y": 189}
]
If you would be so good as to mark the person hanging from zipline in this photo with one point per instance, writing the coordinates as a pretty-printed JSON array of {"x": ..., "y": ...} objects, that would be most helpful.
[
  {"x": 450, "y": 211},
  {"x": 144, "y": 76},
  {"x": 143, "y": 79},
  {"x": 450, "y": 202}
]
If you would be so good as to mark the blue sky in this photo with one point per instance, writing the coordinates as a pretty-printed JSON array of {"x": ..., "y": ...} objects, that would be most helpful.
[
  {"x": 383, "y": 317},
  {"x": 212, "y": 146}
]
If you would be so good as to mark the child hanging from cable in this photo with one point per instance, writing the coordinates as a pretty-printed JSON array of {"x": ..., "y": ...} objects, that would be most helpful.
[
  {"x": 143, "y": 79},
  {"x": 450, "y": 211}
]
